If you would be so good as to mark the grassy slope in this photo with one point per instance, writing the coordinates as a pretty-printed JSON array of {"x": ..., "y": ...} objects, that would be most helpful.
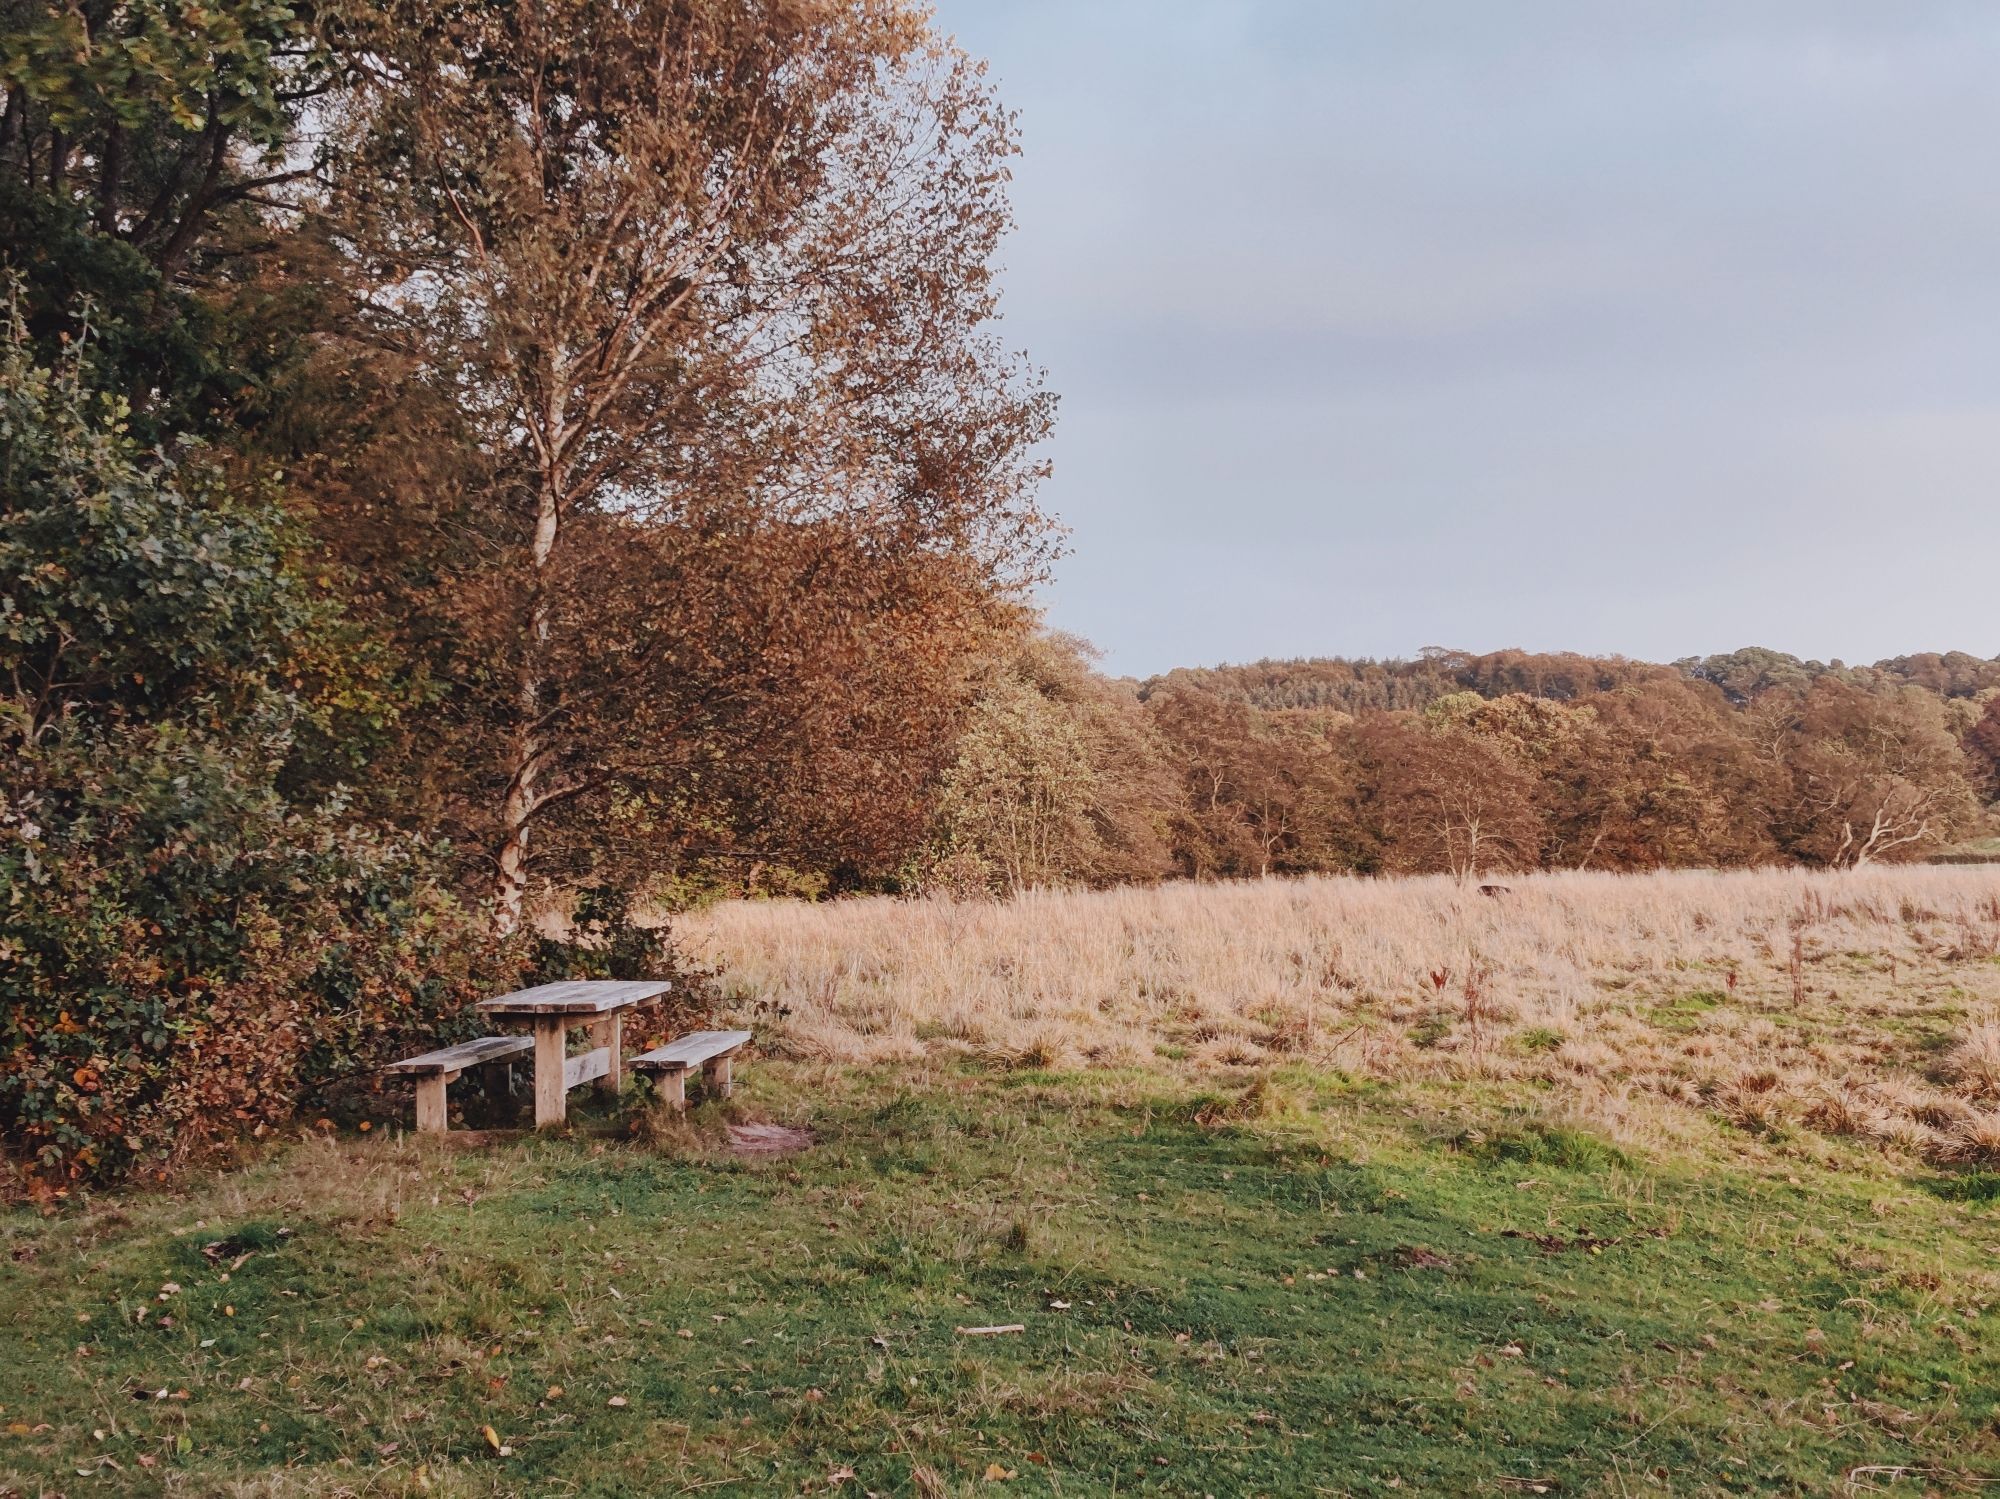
[{"x": 1291, "y": 1287}]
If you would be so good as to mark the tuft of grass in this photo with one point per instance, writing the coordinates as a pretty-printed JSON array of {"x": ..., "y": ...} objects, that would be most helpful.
[
  {"x": 1965, "y": 1186},
  {"x": 1559, "y": 1146},
  {"x": 1687, "y": 1012}
]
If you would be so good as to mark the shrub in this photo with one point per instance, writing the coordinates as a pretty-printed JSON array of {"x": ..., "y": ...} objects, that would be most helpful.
[
  {"x": 604, "y": 941},
  {"x": 183, "y": 956},
  {"x": 185, "y": 953}
]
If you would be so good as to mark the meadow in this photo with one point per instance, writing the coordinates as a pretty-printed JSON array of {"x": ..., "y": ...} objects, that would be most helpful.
[
  {"x": 1854, "y": 1003},
  {"x": 1667, "y": 1184}
]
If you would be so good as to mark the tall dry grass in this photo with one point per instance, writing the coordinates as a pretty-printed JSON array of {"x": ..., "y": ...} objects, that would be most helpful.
[{"x": 1862, "y": 1002}]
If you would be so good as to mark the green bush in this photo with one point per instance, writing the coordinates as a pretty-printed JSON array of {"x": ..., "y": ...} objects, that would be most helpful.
[
  {"x": 185, "y": 952},
  {"x": 184, "y": 957}
]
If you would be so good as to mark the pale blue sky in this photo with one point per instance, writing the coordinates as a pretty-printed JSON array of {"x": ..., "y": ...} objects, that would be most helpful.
[{"x": 1659, "y": 328}]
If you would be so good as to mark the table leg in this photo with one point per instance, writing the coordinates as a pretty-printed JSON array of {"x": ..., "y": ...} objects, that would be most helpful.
[
  {"x": 610, "y": 1032},
  {"x": 551, "y": 1097}
]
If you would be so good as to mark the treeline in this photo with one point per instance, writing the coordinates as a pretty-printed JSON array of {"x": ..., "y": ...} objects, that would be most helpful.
[
  {"x": 454, "y": 454},
  {"x": 1471, "y": 765}
]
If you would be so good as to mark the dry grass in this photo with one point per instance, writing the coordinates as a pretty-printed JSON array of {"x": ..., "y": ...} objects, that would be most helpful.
[{"x": 1861, "y": 1004}]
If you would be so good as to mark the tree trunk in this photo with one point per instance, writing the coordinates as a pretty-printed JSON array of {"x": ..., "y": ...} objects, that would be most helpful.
[{"x": 523, "y": 767}]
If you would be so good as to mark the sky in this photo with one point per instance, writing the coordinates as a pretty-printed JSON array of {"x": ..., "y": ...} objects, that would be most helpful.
[{"x": 1657, "y": 329}]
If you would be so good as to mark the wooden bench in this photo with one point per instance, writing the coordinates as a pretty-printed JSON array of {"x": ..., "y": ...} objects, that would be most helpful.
[
  {"x": 712, "y": 1051},
  {"x": 437, "y": 1070}
]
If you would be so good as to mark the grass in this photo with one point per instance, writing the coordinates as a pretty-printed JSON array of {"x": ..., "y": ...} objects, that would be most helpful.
[
  {"x": 1676, "y": 1184},
  {"x": 1286, "y": 1281},
  {"x": 1862, "y": 1004}
]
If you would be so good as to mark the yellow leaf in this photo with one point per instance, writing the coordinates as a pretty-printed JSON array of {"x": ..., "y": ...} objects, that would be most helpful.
[
  {"x": 492, "y": 1437},
  {"x": 997, "y": 1474}
]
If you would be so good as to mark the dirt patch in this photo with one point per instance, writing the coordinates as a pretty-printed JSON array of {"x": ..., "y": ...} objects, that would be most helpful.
[
  {"x": 1416, "y": 1257},
  {"x": 768, "y": 1139},
  {"x": 1585, "y": 1241}
]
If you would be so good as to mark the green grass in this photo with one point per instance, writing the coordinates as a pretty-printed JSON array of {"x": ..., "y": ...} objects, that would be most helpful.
[
  {"x": 1685, "y": 1013},
  {"x": 1296, "y": 1286}
]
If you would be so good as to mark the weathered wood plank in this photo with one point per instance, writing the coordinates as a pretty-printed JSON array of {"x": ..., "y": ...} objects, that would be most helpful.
[
  {"x": 586, "y": 1065},
  {"x": 609, "y": 1033},
  {"x": 719, "y": 1074},
  {"x": 474, "y": 1053},
  {"x": 576, "y": 997},
  {"x": 690, "y": 1051},
  {"x": 551, "y": 1092},
  {"x": 671, "y": 1089},
  {"x": 433, "y": 1118}
]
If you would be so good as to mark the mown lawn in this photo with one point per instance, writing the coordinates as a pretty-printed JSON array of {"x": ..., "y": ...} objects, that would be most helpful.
[{"x": 1297, "y": 1286}]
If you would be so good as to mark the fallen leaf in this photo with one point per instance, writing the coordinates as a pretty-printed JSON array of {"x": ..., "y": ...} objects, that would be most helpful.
[
  {"x": 997, "y": 1474},
  {"x": 839, "y": 1476},
  {"x": 555, "y": 1392},
  {"x": 618, "y": 1402},
  {"x": 492, "y": 1437}
]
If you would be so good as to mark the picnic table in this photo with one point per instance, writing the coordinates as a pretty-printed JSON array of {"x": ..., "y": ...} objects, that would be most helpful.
[{"x": 551, "y": 1009}]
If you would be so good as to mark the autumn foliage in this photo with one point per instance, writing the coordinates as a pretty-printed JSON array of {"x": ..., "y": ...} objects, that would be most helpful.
[
  {"x": 1466, "y": 765},
  {"x": 469, "y": 463}
]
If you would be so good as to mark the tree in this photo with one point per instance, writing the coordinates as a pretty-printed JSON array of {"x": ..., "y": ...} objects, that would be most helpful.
[
  {"x": 1671, "y": 779},
  {"x": 1442, "y": 801},
  {"x": 1867, "y": 776},
  {"x": 1982, "y": 748},
  {"x": 1262, "y": 793},
  {"x": 184, "y": 948},
  {"x": 708, "y": 285},
  {"x": 144, "y": 149},
  {"x": 1060, "y": 778}
]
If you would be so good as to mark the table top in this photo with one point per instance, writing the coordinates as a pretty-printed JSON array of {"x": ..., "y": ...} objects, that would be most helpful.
[{"x": 577, "y": 997}]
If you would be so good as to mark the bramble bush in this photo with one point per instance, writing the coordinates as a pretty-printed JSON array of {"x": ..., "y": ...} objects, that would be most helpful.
[
  {"x": 186, "y": 952},
  {"x": 185, "y": 958}
]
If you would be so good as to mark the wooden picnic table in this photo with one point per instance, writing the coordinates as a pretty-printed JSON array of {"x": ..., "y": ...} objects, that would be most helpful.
[{"x": 552, "y": 1009}]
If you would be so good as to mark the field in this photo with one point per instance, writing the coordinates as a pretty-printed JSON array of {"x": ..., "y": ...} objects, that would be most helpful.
[
  {"x": 1863, "y": 1004},
  {"x": 1675, "y": 1185}
]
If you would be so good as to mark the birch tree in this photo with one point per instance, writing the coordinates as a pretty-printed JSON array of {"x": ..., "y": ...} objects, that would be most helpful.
[{"x": 710, "y": 284}]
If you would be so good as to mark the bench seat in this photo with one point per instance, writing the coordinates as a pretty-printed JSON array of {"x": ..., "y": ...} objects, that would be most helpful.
[
  {"x": 712, "y": 1051},
  {"x": 474, "y": 1053},
  {"x": 437, "y": 1070}
]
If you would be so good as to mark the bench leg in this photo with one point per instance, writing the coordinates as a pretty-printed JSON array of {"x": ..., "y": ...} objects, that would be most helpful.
[
  {"x": 671, "y": 1090},
  {"x": 610, "y": 1033},
  {"x": 432, "y": 1115},
  {"x": 551, "y": 1097},
  {"x": 720, "y": 1076}
]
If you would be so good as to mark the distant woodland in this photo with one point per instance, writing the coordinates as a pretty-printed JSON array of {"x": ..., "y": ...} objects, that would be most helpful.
[
  {"x": 1465, "y": 764},
  {"x": 457, "y": 459}
]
